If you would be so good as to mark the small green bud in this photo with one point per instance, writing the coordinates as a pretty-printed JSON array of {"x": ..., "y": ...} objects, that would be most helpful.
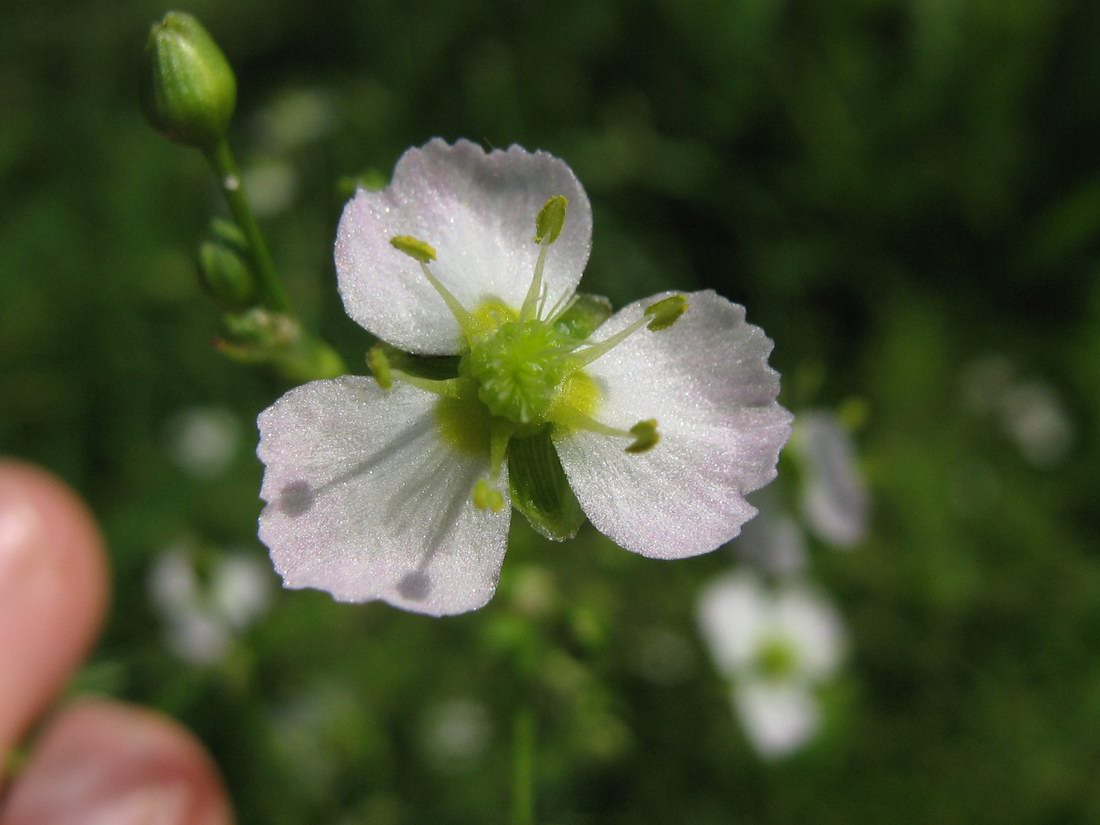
[
  {"x": 666, "y": 311},
  {"x": 223, "y": 266},
  {"x": 413, "y": 247},
  {"x": 550, "y": 219},
  {"x": 189, "y": 91},
  {"x": 645, "y": 436},
  {"x": 487, "y": 497},
  {"x": 379, "y": 366}
]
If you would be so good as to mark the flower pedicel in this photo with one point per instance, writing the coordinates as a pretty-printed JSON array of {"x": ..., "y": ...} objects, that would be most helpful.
[{"x": 400, "y": 487}]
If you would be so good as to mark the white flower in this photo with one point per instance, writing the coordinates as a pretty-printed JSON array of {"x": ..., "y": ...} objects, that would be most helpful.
[
  {"x": 403, "y": 493},
  {"x": 834, "y": 499},
  {"x": 776, "y": 648},
  {"x": 1028, "y": 411},
  {"x": 203, "y": 617},
  {"x": 203, "y": 440}
]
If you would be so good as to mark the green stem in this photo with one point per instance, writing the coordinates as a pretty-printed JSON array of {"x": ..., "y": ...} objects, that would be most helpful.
[
  {"x": 523, "y": 786},
  {"x": 232, "y": 186}
]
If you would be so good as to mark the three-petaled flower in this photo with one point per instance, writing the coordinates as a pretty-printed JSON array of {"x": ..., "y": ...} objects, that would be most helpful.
[{"x": 399, "y": 487}]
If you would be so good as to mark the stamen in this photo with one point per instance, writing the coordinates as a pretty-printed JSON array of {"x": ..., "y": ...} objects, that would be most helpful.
[
  {"x": 385, "y": 374},
  {"x": 656, "y": 317},
  {"x": 446, "y": 388},
  {"x": 551, "y": 218},
  {"x": 560, "y": 308},
  {"x": 548, "y": 224},
  {"x": 645, "y": 436},
  {"x": 644, "y": 433},
  {"x": 666, "y": 312},
  {"x": 423, "y": 253},
  {"x": 528, "y": 311},
  {"x": 487, "y": 497},
  {"x": 379, "y": 366}
]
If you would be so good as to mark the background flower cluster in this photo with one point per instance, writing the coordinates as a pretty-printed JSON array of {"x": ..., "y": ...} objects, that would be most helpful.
[{"x": 904, "y": 194}]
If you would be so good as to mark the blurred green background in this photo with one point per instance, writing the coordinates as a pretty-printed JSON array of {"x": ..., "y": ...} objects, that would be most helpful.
[{"x": 904, "y": 193}]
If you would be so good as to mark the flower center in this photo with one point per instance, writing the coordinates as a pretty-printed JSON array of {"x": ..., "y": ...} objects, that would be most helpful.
[
  {"x": 776, "y": 659},
  {"x": 519, "y": 370},
  {"x": 521, "y": 366}
]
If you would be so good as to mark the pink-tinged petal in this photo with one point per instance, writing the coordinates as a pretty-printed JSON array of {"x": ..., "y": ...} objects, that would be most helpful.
[
  {"x": 367, "y": 499},
  {"x": 707, "y": 382},
  {"x": 477, "y": 209},
  {"x": 834, "y": 500}
]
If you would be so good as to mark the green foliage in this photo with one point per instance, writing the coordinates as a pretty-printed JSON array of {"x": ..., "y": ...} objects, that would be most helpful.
[{"x": 894, "y": 188}]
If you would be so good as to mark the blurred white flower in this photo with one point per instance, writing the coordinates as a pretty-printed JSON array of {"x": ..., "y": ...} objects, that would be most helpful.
[
  {"x": 1028, "y": 411},
  {"x": 456, "y": 732},
  {"x": 835, "y": 503},
  {"x": 203, "y": 440},
  {"x": 272, "y": 186},
  {"x": 776, "y": 648},
  {"x": 203, "y": 616},
  {"x": 1034, "y": 418},
  {"x": 297, "y": 118}
]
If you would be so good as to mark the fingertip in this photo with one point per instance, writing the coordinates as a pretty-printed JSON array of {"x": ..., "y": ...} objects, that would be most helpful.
[
  {"x": 104, "y": 762},
  {"x": 53, "y": 591}
]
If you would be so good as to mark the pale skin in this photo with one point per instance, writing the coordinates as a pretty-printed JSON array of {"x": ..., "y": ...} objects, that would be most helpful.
[{"x": 89, "y": 760}]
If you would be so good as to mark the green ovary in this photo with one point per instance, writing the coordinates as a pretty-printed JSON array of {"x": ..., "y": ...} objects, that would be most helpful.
[{"x": 519, "y": 370}]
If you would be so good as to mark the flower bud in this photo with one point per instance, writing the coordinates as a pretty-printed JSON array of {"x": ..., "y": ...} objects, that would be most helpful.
[
  {"x": 189, "y": 90},
  {"x": 224, "y": 269}
]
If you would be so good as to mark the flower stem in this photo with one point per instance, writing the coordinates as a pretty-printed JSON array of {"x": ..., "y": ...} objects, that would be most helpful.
[
  {"x": 523, "y": 789},
  {"x": 229, "y": 179}
]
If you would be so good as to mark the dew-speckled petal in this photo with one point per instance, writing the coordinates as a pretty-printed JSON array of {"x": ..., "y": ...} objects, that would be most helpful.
[
  {"x": 366, "y": 499},
  {"x": 707, "y": 382},
  {"x": 477, "y": 210}
]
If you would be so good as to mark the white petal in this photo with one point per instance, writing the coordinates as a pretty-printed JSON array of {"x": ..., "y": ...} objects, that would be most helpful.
[
  {"x": 365, "y": 499},
  {"x": 835, "y": 500},
  {"x": 241, "y": 589},
  {"x": 731, "y": 612},
  {"x": 778, "y": 718},
  {"x": 707, "y": 382},
  {"x": 477, "y": 210},
  {"x": 809, "y": 623}
]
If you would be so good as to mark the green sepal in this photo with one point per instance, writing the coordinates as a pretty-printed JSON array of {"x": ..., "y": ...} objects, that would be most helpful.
[
  {"x": 584, "y": 317},
  {"x": 539, "y": 488}
]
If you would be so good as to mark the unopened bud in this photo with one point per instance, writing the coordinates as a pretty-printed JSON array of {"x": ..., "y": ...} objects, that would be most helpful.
[
  {"x": 224, "y": 269},
  {"x": 189, "y": 90}
]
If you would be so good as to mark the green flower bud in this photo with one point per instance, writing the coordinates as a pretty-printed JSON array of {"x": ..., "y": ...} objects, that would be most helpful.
[
  {"x": 189, "y": 90},
  {"x": 224, "y": 269}
]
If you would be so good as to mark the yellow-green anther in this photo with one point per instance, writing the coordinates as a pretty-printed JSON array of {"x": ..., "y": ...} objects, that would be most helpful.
[
  {"x": 666, "y": 311},
  {"x": 550, "y": 219},
  {"x": 423, "y": 253},
  {"x": 379, "y": 366},
  {"x": 487, "y": 497},
  {"x": 413, "y": 247},
  {"x": 645, "y": 436}
]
